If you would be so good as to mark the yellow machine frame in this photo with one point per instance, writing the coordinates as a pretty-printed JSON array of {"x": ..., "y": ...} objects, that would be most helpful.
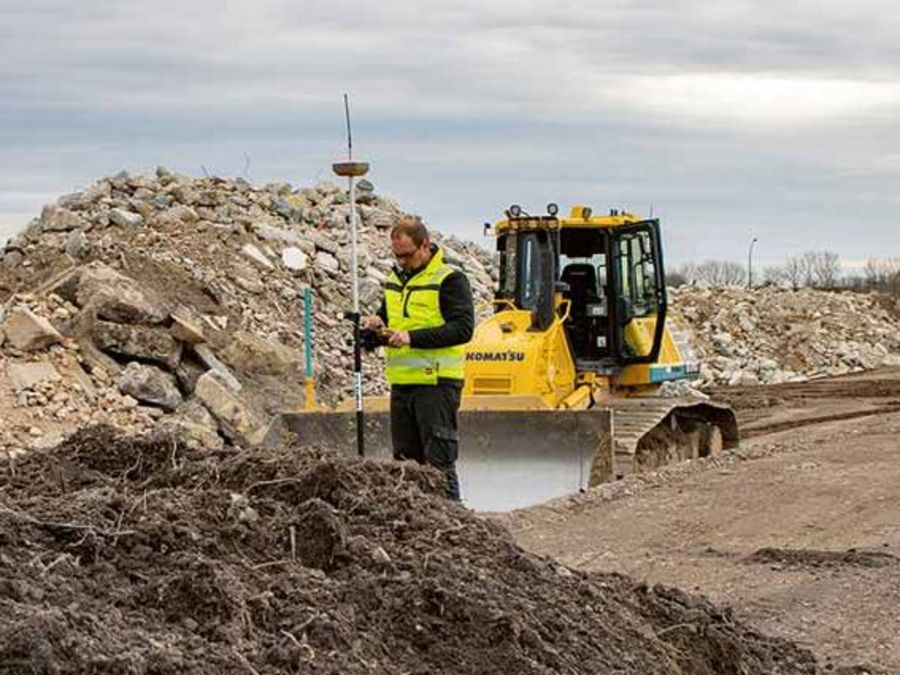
[{"x": 511, "y": 366}]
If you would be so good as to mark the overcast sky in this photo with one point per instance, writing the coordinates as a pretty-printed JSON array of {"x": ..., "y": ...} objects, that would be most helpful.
[{"x": 732, "y": 119}]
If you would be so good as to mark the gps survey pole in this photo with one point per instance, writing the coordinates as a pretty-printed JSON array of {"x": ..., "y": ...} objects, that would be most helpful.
[{"x": 353, "y": 170}]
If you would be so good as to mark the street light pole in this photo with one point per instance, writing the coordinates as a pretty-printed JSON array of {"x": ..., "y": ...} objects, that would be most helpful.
[{"x": 750, "y": 264}]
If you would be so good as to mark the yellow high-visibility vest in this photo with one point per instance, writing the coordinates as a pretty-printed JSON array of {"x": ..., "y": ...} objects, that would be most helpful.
[{"x": 413, "y": 306}]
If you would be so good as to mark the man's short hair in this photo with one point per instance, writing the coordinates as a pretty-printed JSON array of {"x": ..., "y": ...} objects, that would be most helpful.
[{"x": 412, "y": 227}]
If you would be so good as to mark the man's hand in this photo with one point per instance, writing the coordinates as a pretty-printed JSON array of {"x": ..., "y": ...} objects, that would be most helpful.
[
  {"x": 399, "y": 338},
  {"x": 373, "y": 323}
]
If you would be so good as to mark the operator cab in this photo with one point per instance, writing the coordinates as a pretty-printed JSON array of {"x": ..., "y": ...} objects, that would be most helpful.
[
  {"x": 585, "y": 284},
  {"x": 608, "y": 270}
]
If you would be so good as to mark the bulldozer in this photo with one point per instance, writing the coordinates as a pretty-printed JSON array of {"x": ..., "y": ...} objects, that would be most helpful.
[{"x": 564, "y": 369}]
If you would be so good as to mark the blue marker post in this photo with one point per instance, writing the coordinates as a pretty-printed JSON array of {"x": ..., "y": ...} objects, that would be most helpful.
[{"x": 310, "y": 402}]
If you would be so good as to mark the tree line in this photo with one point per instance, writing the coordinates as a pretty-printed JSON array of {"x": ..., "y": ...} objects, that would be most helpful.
[{"x": 813, "y": 269}]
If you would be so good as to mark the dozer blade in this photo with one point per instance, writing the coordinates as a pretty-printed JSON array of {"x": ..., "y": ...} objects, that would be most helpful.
[{"x": 508, "y": 460}]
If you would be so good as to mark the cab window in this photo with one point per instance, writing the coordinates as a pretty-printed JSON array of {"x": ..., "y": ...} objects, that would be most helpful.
[
  {"x": 529, "y": 271},
  {"x": 637, "y": 273}
]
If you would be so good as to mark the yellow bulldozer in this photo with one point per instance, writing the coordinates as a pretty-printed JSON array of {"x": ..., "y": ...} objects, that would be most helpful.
[{"x": 564, "y": 369}]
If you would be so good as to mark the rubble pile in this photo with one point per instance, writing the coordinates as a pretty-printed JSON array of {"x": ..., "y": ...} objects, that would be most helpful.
[
  {"x": 134, "y": 555},
  {"x": 772, "y": 335},
  {"x": 176, "y": 302}
]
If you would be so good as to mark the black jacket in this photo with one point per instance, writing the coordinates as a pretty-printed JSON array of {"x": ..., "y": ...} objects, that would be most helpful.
[{"x": 457, "y": 308}]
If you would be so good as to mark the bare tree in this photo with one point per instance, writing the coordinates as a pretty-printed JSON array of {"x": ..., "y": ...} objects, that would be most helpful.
[
  {"x": 808, "y": 261},
  {"x": 774, "y": 276},
  {"x": 722, "y": 273},
  {"x": 681, "y": 275},
  {"x": 816, "y": 269},
  {"x": 734, "y": 274},
  {"x": 674, "y": 278},
  {"x": 795, "y": 272},
  {"x": 874, "y": 271},
  {"x": 883, "y": 274},
  {"x": 826, "y": 268}
]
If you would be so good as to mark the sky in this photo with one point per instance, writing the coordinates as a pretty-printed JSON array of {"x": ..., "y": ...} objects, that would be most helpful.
[{"x": 728, "y": 120}]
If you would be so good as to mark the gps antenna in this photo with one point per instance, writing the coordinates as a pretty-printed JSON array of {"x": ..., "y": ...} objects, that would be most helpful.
[{"x": 353, "y": 170}]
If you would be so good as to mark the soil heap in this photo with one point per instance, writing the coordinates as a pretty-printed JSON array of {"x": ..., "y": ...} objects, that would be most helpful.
[{"x": 137, "y": 555}]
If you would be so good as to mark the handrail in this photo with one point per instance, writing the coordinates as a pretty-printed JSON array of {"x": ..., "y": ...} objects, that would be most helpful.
[
  {"x": 496, "y": 301},
  {"x": 557, "y": 325},
  {"x": 562, "y": 319}
]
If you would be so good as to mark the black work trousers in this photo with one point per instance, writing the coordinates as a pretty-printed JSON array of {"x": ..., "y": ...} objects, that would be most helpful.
[{"x": 424, "y": 426}]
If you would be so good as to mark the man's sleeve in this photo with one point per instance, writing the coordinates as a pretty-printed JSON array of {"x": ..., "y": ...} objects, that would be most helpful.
[
  {"x": 458, "y": 311},
  {"x": 382, "y": 311}
]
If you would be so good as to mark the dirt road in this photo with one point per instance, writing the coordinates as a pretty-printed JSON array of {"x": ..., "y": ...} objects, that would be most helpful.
[{"x": 799, "y": 531}]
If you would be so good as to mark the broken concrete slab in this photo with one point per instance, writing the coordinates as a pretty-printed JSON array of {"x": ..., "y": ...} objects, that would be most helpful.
[
  {"x": 116, "y": 297},
  {"x": 208, "y": 359},
  {"x": 248, "y": 352},
  {"x": 234, "y": 417},
  {"x": 125, "y": 219},
  {"x": 294, "y": 259},
  {"x": 77, "y": 244},
  {"x": 140, "y": 342},
  {"x": 325, "y": 243},
  {"x": 149, "y": 384},
  {"x": 257, "y": 257},
  {"x": 188, "y": 372},
  {"x": 186, "y": 330},
  {"x": 55, "y": 218},
  {"x": 27, "y": 331},
  {"x": 269, "y": 233},
  {"x": 194, "y": 411}
]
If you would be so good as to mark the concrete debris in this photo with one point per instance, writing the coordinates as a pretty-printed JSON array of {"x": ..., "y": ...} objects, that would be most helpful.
[
  {"x": 257, "y": 257},
  {"x": 186, "y": 330},
  {"x": 771, "y": 335},
  {"x": 235, "y": 418},
  {"x": 77, "y": 244},
  {"x": 125, "y": 219},
  {"x": 201, "y": 281},
  {"x": 327, "y": 263},
  {"x": 149, "y": 384},
  {"x": 211, "y": 361},
  {"x": 251, "y": 353},
  {"x": 138, "y": 342},
  {"x": 55, "y": 218},
  {"x": 26, "y": 331},
  {"x": 294, "y": 259},
  {"x": 116, "y": 297}
]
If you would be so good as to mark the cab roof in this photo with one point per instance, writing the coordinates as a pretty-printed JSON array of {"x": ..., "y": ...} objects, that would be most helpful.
[{"x": 580, "y": 216}]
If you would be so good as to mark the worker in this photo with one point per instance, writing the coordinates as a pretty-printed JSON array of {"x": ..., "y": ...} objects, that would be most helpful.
[{"x": 426, "y": 318}]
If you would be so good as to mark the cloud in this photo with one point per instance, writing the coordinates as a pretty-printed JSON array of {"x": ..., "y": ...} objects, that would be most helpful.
[{"x": 729, "y": 118}]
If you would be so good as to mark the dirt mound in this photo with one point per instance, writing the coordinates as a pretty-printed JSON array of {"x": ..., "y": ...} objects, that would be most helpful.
[
  {"x": 132, "y": 555},
  {"x": 789, "y": 557}
]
